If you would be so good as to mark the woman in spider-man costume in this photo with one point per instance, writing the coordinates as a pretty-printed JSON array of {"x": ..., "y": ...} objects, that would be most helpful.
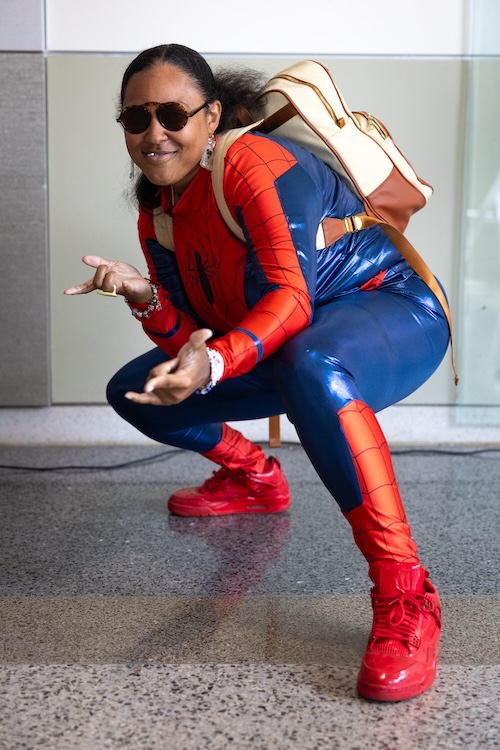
[{"x": 245, "y": 330}]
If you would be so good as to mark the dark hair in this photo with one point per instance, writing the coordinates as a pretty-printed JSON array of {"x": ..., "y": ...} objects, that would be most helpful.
[{"x": 236, "y": 89}]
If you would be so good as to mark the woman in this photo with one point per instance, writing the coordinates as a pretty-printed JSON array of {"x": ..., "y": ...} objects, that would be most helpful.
[{"x": 329, "y": 336}]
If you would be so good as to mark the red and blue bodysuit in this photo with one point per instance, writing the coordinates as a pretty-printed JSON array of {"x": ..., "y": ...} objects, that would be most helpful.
[{"x": 327, "y": 336}]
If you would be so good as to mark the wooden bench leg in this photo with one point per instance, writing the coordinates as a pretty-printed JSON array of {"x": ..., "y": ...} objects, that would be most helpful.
[{"x": 274, "y": 431}]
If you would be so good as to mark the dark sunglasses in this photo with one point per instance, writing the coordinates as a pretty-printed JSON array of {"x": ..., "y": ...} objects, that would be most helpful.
[{"x": 171, "y": 116}]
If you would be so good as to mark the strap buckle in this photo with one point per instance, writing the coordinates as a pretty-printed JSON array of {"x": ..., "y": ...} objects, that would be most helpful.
[{"x": 353, "y": 224}]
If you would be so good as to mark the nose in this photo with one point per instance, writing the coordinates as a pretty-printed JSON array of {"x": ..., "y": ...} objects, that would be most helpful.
[{"x": 155, "y": 130}]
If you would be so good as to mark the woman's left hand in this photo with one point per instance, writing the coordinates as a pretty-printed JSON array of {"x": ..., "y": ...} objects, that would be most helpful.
[{"x": 175, "y": 380}]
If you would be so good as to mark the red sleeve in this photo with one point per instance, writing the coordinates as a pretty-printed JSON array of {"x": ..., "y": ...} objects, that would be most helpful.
[{"x": 252, "y": 171}]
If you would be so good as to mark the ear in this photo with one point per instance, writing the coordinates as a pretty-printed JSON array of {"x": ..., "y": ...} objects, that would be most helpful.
[{"x": 214, "y": 115}]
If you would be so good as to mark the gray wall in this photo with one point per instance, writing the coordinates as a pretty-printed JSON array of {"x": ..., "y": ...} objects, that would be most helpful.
[{"x": 24, "y": 302}]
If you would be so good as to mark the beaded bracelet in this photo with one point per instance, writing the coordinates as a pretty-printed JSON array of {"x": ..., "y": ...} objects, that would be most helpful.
[
  {"x": 216, "y": 371},
  {"x": 154, "y": 303}
]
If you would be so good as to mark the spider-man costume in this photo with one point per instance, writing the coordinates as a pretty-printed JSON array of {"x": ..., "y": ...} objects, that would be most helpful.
[{"x": 328, "y": 336}]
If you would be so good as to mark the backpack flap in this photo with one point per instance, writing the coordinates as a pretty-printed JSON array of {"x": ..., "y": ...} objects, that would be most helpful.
[
  {"x": 403, "y": 193},
  {"x": 303, "y": 104}
]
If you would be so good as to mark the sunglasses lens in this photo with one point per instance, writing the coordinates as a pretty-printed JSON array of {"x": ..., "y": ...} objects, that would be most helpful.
[
  {"x": 135, "y": 119},
  {"x": 172, "y": 116}
]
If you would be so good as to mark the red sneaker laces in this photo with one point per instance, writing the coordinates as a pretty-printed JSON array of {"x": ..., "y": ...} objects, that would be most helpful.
[
  {"x": 396, "y": 619},
  {"x": 213, "y": 483}
]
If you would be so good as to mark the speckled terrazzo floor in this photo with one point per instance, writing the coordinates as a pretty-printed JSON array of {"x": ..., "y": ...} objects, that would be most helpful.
[{"x": 124, "y": 627}]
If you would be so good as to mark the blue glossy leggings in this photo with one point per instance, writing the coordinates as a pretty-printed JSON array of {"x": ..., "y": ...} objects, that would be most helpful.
[{"x": 373, "y": 347}]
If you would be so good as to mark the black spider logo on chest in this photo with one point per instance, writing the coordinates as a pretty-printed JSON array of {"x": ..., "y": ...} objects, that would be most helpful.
[{"x": 202, "y": 271}]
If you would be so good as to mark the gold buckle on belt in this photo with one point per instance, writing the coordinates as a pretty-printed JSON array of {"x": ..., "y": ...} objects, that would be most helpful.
[{"x": 353, "y": 224}]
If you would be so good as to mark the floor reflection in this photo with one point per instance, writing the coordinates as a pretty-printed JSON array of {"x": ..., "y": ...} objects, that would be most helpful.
[{"x": 246, "y": 547}]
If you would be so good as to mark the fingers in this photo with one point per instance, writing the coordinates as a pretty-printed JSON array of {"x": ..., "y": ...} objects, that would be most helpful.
[
  {"x": 175, "y": 380},
  {"x": 144, "y": 398},
  {"x": 95, "y": 261},
  {"x": 114, "y": 277},
  {"x": 85, "y": 288},
  {"x": 159, "y": 383},
  {"x": 158, "y": 391},
  {"x": 157, "y": 378},
  {"x": 164, "y": 369},
  {"x": 92, "y": 284},
  {"x": 98, "y": 282}
]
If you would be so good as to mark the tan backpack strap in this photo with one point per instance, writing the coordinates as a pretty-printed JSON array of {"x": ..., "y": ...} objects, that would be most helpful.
[
  {"x": 278, "y": 118},
  {"x": 224, "y": 142},
  {"x": 362, "y": 221}
]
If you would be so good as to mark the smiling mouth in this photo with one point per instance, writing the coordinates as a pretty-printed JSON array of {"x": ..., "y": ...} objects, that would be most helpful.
[{"x": 156, "y": 153}]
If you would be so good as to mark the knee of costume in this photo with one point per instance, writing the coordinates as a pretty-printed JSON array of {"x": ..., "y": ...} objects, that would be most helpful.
[
  {"x": 172, "y": 425},
  {"x": 314, "y": 388}
]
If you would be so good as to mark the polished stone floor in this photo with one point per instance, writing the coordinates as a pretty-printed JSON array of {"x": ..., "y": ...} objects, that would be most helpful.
[{"x": 124, "y": 627}]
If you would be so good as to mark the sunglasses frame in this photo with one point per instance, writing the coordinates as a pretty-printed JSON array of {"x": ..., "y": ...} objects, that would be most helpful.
[{"x": 158, "y": 105}]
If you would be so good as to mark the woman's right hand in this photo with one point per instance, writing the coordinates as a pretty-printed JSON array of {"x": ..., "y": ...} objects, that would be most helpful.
[{"x": 114, "y": 275}]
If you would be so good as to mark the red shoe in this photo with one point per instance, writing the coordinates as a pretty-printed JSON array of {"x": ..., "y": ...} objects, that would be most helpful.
[
  {"x": 400, "y": 659},
  {"x": 237, "y": 491}
]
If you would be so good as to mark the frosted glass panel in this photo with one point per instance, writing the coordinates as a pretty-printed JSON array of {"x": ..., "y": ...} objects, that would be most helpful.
[
  {"x": 485, "y": 27},
  {"x": 479, "y": 325}
]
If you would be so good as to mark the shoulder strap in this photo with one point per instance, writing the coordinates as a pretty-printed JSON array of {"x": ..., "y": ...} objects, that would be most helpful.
[
  {"x": 362, "y": 221},
  {"x": 224, "y": 142}
]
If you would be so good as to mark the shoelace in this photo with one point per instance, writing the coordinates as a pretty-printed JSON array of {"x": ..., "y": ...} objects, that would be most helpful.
[
  {"x": 397, "y": 619},
  {"x": 213, "y": 483}
]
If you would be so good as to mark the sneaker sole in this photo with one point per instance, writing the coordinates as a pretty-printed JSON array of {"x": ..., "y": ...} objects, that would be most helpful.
[
  {"x": 228, "y": 508},
  {"x": 386, "y": 695}
]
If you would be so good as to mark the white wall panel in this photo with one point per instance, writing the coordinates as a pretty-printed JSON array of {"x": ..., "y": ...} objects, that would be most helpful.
[
  {"x": 92, "y": 336},
  {"x": 320, "y": 27},
  {"x": 21, "y": 25}
]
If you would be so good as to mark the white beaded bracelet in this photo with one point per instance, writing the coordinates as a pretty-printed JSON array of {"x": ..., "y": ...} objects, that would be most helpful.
[
  {"x": 154, "y": 303},
  {"x": 216, "y": 371}
]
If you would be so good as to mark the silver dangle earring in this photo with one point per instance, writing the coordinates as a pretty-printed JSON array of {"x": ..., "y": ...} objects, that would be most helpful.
[
  {"x": 207, "y": 159},
  {"x": 131, "y": 174}
]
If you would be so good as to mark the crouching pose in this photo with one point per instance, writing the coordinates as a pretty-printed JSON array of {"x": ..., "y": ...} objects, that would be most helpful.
[{"x": 271, "y": 325}]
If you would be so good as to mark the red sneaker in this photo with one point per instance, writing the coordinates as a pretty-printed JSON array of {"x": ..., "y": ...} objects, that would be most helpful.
[
  {"x": 238, "y": 491},
  {"x": 400, "y": 659}
]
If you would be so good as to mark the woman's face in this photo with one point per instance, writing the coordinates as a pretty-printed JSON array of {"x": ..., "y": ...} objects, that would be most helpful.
[{"x": 169, "y": 157}]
